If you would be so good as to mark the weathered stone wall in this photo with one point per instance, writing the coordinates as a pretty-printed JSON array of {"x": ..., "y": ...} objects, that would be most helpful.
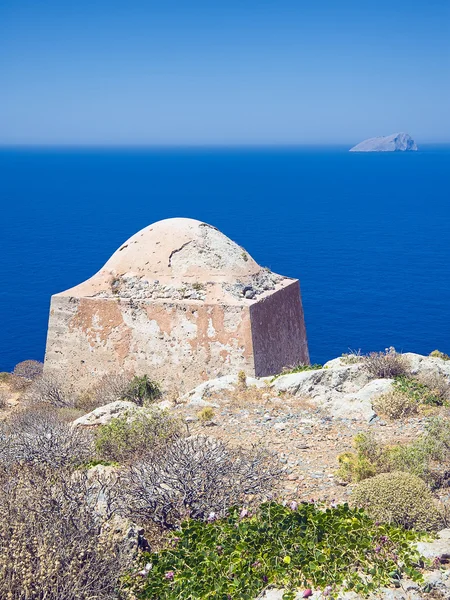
[
  {"x": 177, "y": 343},
  {"x": 278, "y": 331},
  {"x": 180, "y": 302}
]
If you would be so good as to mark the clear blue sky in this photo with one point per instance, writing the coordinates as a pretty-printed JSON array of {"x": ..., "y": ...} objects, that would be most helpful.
[{"x": 223, "y": 72}]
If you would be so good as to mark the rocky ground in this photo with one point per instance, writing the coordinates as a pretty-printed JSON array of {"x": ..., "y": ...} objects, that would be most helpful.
[{"x": 307, "y": 420}]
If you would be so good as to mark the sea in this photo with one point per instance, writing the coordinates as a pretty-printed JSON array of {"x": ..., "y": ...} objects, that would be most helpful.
[{"x": 367, "y": 234}]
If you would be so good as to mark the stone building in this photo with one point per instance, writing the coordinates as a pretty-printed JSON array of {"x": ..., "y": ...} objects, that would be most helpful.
[{"x": 181, "y": 302}]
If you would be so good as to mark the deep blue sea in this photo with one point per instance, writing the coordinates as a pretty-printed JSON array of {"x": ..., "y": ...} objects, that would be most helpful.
[{"x": 368, "y": 235}]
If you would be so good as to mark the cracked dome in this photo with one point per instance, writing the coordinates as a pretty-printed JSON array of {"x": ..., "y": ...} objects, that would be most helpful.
[{"x": 181, "y": 248}]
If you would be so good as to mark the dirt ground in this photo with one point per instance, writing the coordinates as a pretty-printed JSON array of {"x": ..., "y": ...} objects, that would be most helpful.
[{"x": 306, "y": 440}]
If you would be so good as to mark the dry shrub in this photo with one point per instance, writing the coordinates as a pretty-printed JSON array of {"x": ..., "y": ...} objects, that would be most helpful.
[
  {"x": 399, "y": 498},
  {"x": 110, "y": 388},
  {"x": 52, "y": 543},
  {"x": 395, "y": 405},
  {"x": 387, "y": 364},
  {"x": 3, "y": 399},
  {"x": 38, "y": 435},
  {"x": 199, "y": 477},
  {"x": 28, "y": 369},
  {"x": 49, "y": 389},
  {"x": 24, "y": 374}
]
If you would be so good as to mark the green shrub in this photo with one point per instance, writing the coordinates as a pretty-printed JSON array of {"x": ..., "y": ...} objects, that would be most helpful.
[
  {"x": 428, "y": 457},
  {"x": 398, "y": 498},
  {"x": 365, "y": 462},
  {"x": 395, "y": 404},
  {"x": 439, "y": 354},
  {"x": 429, "y": 389},
  {"x": 142, "y": 391},
  {"x": 302, "y": 546},
  {"x": 127, "y": 437}
]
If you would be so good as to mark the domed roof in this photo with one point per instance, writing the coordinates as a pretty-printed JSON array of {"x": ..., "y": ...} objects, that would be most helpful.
[{"x": 180, "y": 248}]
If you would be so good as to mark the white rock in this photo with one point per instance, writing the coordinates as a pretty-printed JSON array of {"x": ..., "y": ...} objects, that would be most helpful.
[
  {"x": 199, "y": 395},
  {"x": 358, "y": 406},
  {"x": 105, "y": 414},
  {"x": 437, "y": 548}
]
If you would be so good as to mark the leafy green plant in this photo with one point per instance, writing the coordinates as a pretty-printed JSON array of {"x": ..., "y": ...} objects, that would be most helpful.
[
  {"x": 399, "y": 498},
  {"x": 127, "y": 437},
  {"x": 143, "y": 391},
  {"x": 421, "y": 392},
  {"x": 289, "y": 547}
]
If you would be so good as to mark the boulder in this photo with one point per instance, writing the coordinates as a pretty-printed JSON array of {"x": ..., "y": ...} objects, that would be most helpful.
[
  {"x": 358, "y": 406},
  {"x": 200, "y": 395},
  {"x": 105, "y": 414},
  {"x": 438, "y": 548}
]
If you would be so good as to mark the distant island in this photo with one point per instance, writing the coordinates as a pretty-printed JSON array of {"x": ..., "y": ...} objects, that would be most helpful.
[{"x": 396, "y": 142}]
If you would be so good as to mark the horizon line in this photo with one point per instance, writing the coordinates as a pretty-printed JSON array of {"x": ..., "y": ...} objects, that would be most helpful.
[{"x": 183, "y": 145}]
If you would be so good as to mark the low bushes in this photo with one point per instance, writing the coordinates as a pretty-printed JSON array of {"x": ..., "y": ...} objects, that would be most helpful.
[
  {"x": 128, "y": 437},
  {"x": 398, "y": 498},
  {"x": 198, "y": 477},
  {"x": 49, "y": 389},
  {"x": 38, "y": 435},
  {"x": 290, "y": 547},
  {"x": 52, "y": 544},
  {"x": 428, "y": 457}
]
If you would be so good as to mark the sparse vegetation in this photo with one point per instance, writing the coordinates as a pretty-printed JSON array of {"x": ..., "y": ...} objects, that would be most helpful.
[
  {"x": 110, "y": 388},
  {"x": 428, "y": 457},
  {"x": 38, "y": 435},
  {"x": 398, "y": 498},
  {"x": 198, "y": 287},
  {"x": 298, "y": 546},
  {"x": 126, "y": 438},
  {"x": 396, "y": 404},
  {"x": 49, "y": 389},
  {"x": 297, "y": 369},
  {"x": 3, "y": 399},
  {"x": 439, "y": 354},
  {"x": 387, "y": 364},
  {"x": 206, "y": 414},
  {"x": 242, "y": 380},
  {"x": 196, "y": 477},
  {"x": 52, "y": 544},
  {"x": 28, "y": 369}
]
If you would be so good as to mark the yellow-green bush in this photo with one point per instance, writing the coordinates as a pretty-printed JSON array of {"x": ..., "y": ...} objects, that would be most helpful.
[
  {"x": 398, "y": 498},
  {"x": 439, "y": 354},
  {"x": 128, "y": 437}
]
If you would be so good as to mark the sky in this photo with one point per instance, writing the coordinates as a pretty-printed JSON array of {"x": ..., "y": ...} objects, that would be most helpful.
[{"x": 214, "y": 72}]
